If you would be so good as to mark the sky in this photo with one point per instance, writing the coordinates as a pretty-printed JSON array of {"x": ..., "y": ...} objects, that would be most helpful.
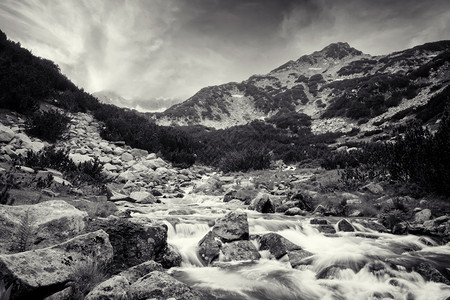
[{"x": 157, "y": 52}]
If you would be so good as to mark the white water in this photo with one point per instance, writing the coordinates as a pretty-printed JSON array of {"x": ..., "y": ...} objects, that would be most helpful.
[{"x": 369, "y": 268}]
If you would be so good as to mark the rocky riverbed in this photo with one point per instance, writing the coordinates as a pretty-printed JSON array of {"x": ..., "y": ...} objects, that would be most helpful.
[{"x": 160, "y": 232}]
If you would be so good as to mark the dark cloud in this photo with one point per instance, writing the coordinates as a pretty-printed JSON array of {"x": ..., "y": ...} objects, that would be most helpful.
[{"x": 147, "y": 49}]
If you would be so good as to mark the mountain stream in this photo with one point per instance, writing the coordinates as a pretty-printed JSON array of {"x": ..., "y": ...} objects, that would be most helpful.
[{"x": 364, "y": 264}]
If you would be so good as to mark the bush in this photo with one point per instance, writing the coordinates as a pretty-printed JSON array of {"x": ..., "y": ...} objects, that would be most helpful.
[
  {"x": 48, "y": 125},
  {"x": 245, "y": 160},
  {"x": 50, "y": 157},
  {"x": 86, "y": 275}
]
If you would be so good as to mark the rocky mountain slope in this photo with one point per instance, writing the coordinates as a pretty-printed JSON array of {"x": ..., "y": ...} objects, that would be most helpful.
[{"x": 339, "y": 87}]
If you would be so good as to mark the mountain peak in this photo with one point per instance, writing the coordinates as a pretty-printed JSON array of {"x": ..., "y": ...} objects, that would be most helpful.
[{"x": 338, "y": 50}]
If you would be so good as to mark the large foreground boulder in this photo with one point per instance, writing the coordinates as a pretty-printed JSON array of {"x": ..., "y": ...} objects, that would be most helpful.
[
  {"x": 232, "y": 227},
  {"x": 39, "y": 273},
  {"x": 133, "y": 243},
  {"x": 118, "y": 287},
  {"x": 161, "y": 286},
  {"x": 47, "y": 223}
]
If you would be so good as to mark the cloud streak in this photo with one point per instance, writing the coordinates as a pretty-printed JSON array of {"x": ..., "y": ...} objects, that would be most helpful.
[{"x": 172, "y": 48}]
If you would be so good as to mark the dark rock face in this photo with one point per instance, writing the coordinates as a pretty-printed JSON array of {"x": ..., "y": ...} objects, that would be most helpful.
[
  {"x": 232, "y": 227},
  {"x": 240, "y": 250},
  {"x": 54, "y": 265},
  {"x": 133, "y": 243},
  {"x": 209, "y": 248},
  {"x": 277, "y": 245},
  {"x": 345, "y": 226}
]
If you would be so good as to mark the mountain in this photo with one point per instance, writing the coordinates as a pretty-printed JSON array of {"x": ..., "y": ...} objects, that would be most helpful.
[
  {"x": 339, "y": 87},
  {"x": 141, "y": 105},
  {"x": 110, "y": 97}
]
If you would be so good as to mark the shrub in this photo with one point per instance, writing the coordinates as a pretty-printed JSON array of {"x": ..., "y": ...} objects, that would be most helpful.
[
  {"x": 50, "y": 157},
  {"x": 48, "y": 125},
  {"x": 86, "y": 275},
  {"x": 245, "y": 160}
]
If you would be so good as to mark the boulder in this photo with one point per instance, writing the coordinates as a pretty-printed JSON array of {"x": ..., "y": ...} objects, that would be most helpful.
[
  {"x": 142, "y": 197},
  {"x": 115, "y": 288},
  {"x": 373, "y": 188},
  {"x": 231, "y": 195},
  {"x": 327, "y": 229},
  {"x": 301, "y": 201},
  {"x": 239, "y": 250},
  {"x": 294, "y": 211},
  {"x": 318, "y": 222},
  {"x": 161, "y": 286},
  {"x": 400, "y": 228},
  {"x": 430, "y": 273},
  {"x": 277, "y": 245},
  {"x": 297, "y": 257},
  {"x": 6, "y": 134},
  {"x": 50, "y": 222},
  {"x": 126, "y": 157},
  {"x": 136, "y": 272},
  {"x": 126, "y": 176},
  {"x": 262, "y": 203},
  {"x": 40, "y": 273},
  {"x": 286, "y": 205},
  {"x": 138, "y": 153},
  {"x": 35, "y": 146},
  {"x": 233, "y": 226},
  {"x": 139, "y": 167},
  {"x": 155, "y": 163},
  {"x": 345, "y": 226},
  {"x": 171, "y": 258},
  {"x": 118, "y": 287},
  {"x": 244, "y": 195},
  {"x": 80, "y": 158},
  {"x": 209, "y": 248},
  {"x": 133, "y": 243},
  {"x": 422, "y": 216}
]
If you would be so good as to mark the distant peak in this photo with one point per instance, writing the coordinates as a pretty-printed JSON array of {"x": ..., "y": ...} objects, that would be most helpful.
[{"x": 339, "y": 50}]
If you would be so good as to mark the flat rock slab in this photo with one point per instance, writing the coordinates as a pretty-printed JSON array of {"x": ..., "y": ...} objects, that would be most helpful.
[
  {"x": 52, "y": 222},
  {"x": 39, "y": 273}
]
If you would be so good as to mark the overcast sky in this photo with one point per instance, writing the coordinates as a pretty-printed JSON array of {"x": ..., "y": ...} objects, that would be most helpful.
[{"x": 171, "y": 48}]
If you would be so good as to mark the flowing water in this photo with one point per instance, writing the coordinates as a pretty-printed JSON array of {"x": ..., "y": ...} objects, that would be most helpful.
[{"x": 348, "y": 265}]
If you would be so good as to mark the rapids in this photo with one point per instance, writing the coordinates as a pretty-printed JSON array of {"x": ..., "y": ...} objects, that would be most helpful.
[{"x": 364, "y": 264}]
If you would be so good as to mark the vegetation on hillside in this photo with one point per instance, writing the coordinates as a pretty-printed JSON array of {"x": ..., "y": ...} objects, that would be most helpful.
[{"x": 414, "y": 156}]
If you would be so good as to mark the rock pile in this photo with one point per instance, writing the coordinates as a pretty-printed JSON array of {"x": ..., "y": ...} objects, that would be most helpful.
[{"x": 14, "y": 142}]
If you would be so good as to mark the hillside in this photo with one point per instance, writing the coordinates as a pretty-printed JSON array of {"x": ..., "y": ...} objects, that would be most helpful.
[{"x": 339, "y": 87}]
